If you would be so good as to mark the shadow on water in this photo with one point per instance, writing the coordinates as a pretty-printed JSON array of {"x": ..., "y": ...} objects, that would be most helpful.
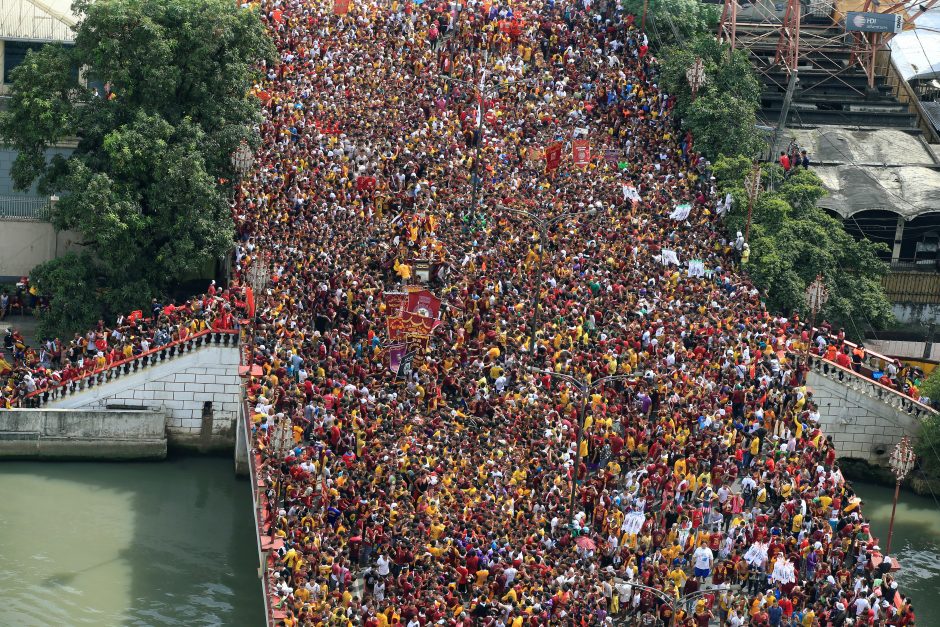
[
  {"x": 190, "y": 559},
  {"x": 67, "y": 579}
]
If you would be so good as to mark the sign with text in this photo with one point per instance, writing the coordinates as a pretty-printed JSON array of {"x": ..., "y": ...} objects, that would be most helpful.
[
  {"x": 341, "y": 7},
  {"x": 553, "y": 156},
  {"x": 873, "y": 22}
]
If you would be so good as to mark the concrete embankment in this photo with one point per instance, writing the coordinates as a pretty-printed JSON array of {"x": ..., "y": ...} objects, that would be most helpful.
[{"x": 67, "y": 434}]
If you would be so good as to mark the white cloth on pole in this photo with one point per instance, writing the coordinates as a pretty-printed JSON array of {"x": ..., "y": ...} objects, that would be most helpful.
[{"x": 681, "y": 212}]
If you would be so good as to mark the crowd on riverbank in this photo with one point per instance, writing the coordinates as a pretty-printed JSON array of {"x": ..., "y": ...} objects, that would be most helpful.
[{"x": 443, "y": 497}]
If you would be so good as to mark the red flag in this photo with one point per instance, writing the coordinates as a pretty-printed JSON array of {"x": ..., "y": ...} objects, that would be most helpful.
[
  {"x": 581, "y": 152},
  {"x": 394, "y": 301},
  {"x": 135, "y": 316},
  {"x": 250, "y": 301},
  {"x": 553, "y": 156},
  {"x": 341, "y": 7}
]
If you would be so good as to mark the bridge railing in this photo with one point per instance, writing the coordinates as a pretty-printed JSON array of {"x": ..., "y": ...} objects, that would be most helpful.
[
  {"x": 873, "y": 362},
  {"x": 131, "y": 365},
  {"x": 866, "y": 385}
]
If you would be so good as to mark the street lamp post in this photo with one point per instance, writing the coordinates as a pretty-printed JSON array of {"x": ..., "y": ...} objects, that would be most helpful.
[
  {"x": 543, "y": 226},
  {"x": 675, "y": 603},
  {"x": 902, "y": 462},
  {"x": 585, "y": 388},
  {"x": 242, "y": 159},
  {"x": 482, "y": 91},
  {"x": 816, "y": 297},
  {"x": 752, "y": 186},
  {"x": 696, "y": 76}
]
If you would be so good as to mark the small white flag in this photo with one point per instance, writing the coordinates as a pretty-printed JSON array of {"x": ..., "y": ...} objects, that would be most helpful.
[
  {"x": 630, "y": 193},
  {"x": 681, "y": 212}
]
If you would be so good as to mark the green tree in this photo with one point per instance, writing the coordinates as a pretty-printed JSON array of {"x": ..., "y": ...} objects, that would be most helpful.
[
  {"x": 723, "y": 115},
  {"x": 675, "y": 21},
  {"x": 928, "y": 440},
  {"x": 793, "y": 241},
  {"x": 148, "y": 184}
]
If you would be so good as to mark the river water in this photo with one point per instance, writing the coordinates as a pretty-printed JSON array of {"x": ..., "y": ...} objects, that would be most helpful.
[
  {"x": 916, "y": 544},
  {"x": 172, "y": 543},
  {"x": 168, "y": 543}
]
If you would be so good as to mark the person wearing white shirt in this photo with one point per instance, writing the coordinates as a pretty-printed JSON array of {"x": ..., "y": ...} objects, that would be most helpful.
[
  {"x": 382, "y": 565},
  {"x": 703, "y": 558}
]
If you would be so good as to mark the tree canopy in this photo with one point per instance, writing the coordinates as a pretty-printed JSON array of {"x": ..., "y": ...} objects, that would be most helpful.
[
  {"x": 723, "y": 115},
  {"x": 166, "y": 102},
  {"x": 793, "y": 241},
  {"x": 675, "y": 21}
]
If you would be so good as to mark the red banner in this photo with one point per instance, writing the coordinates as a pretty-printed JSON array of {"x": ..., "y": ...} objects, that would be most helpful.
[
  {"x": 250, "y": 301},
  {"x": 396, "y": 328},
  {"x": 417, "y": 324},
  {"x": 424, "y": 302},
  {"x": 394, "y": 300},
  {"x": 341, "y": 7},
  {"x": 581, "y": 152},
  {"x": 553, "y": 156},
  {"x": 417, "y": 342}
]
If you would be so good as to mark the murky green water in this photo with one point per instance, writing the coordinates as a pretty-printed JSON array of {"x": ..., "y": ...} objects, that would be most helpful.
[
  {"x": 172, "y": 544},
  {"x": 916, "y": 544},
  {"x": 168, "y": 543}
]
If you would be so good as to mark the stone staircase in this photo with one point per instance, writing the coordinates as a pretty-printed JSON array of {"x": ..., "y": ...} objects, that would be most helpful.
[
  {"x": 196, "y": 383},
  {"x": 864, "y": 418}
]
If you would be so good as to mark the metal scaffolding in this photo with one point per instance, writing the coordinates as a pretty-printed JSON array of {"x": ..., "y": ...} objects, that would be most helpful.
[{"x": 805, "y": 33}]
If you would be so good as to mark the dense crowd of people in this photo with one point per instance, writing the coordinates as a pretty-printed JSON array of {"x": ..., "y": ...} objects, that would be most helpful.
[
  {"x": 26, "y": 369},
  {"x": 705, "y": 491},
  {"x": 443, "y": 498}
]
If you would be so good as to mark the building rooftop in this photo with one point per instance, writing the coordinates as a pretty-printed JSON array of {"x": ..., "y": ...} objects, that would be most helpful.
[
  {"x": 884, "y": 169},
  {"x": 37, "y": 20}
]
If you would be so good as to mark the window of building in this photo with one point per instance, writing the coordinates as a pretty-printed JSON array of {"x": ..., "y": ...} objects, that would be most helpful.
[{"x": 14, "y": 53}]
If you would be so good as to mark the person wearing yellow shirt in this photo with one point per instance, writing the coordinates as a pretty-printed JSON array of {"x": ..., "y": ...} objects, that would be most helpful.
[
  {"x": 482, "y": 576},
  {"x": 679, "y": 467},
  {"x": 797, "y": 523}
]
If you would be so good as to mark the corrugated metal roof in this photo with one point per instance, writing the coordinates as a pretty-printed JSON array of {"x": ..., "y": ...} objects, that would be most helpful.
[
  {"x": 932, "y": 109},
  {"x": 36, "y": 20},
  {"x": 884, "y": 169}
]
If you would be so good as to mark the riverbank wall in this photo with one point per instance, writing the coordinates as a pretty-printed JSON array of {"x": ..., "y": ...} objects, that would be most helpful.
[{"x": 72, "y": 435}]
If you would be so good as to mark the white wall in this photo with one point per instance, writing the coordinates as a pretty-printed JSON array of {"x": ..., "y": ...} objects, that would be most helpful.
[
  {"x": 26, "y": 244},
  {"x": 912, "y": 313},
  {"x": 180, "y": 386},
  {"x": 70, "y": 434},
  {"x": 898, "y": 348},
  {"x": 859, "y": 422}
]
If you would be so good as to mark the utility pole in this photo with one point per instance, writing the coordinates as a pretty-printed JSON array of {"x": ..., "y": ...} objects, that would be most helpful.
[
  {"x": 784, "y": 112},
  {"x": 752, "y": 184}
]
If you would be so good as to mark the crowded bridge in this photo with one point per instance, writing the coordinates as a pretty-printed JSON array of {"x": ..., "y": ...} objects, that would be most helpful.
[{"x": 488, "y": 293}]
